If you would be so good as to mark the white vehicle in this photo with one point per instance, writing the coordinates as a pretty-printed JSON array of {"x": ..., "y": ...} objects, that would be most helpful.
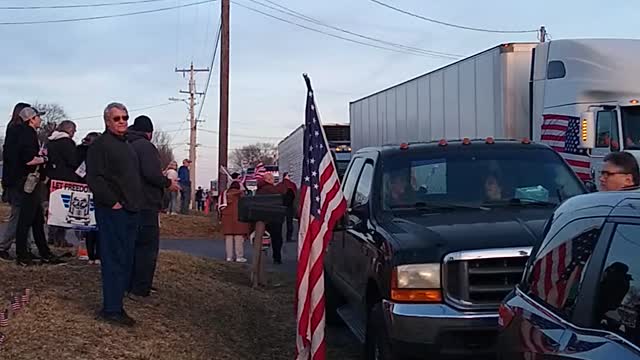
[
  {"x": 290, "y": 153},
  {"x": 579, "y": 96}
]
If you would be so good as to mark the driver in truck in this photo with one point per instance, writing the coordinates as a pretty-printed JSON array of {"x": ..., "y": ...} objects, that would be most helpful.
[{"x": 620, "y": 172}]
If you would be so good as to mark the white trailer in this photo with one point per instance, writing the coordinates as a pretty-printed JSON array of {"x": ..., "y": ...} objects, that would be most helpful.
[
  {"x": 290, "y": 155},
  {"x": 516, "y": 90}
]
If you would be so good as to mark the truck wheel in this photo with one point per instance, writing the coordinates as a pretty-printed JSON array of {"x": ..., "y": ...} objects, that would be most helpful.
[
  {"x": 377, "y": 344},
  {"x": 332, "y": 301}
]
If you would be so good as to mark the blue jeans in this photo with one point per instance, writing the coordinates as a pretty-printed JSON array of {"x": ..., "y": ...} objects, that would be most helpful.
[{"x": 118, "y": 230}]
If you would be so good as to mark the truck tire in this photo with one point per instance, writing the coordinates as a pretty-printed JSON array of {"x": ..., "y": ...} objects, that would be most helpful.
[
  {"x": 377, "y": 344},
  {"x": 332, "y": 301}
]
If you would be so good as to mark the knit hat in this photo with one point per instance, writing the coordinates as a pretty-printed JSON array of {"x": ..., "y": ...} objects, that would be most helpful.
[{"x": 143, "y": 124}]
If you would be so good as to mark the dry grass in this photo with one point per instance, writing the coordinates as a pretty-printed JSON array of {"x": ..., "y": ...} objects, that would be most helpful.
[
  {"x": 196, "y": 226},
  {"x": 204, "y": 310}
]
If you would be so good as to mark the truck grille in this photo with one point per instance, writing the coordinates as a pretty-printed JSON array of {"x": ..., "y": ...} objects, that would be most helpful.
[{"x": 482, "y": 278}]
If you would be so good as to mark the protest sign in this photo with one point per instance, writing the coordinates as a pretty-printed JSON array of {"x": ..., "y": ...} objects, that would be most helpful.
[{"x": 71, "y": 206}]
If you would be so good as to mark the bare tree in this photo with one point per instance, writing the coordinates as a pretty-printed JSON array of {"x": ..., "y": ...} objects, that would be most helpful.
[
  {"x": 253, "y": 154},
  {"x": 54, "y": 114},
  {"x": 162, "y": 141}
]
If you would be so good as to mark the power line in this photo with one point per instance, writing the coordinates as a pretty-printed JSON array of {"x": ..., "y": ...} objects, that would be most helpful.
[
  {"x": 332, "y": 35},
  {"x": 451, "y": 24},
  {"x": 290, "y": 12},
  {"x": 77, "y": 5},
  {"x": 130, "y": 110},
  {"x": 243, "y": 136},
  {"x": 105, "y": 16},
  {"x": 213, "y": 59}
]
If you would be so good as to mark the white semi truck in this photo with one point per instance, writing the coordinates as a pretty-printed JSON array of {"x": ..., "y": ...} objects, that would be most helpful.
[{"x": 581, "y": 97}]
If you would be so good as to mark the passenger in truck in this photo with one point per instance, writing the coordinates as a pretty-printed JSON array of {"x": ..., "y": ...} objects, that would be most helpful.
[
  {"x": 400, "y": 191},
  {"x": 492, "y": 188}
]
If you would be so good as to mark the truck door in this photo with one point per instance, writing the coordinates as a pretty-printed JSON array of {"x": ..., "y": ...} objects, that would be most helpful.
[
  {"x": 607, "y": 139},
  {"x": 336, "y": 256},
  {"x": 358, "y": 239}
]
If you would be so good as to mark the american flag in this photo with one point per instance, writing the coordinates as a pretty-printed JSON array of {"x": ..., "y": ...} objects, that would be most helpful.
[
  {"x": 533, "y": 337},
  {"x": 562, "y": 133},
  {"x": 322, "y": 204},
  {"x": 4, "y": 318},
  {"x": 259, "y": 171},
  {"x": 557, "y": 274},
  {"x": 15, "y": 303}
]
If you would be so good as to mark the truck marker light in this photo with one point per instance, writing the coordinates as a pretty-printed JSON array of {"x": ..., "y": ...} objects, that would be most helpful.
[
  {"x": 466, "y": 141},
  {"x": 489, "y": 140},
  {"x": 416, "y": 295},
  {"x": 404, "y": 146},
  {"x": 584, "y": 131},
  {"x": 443, "y": 142},
  {"x": 505, "y": 316},
  {"x": 634, "y": 102},
  {"x": 526, "y": 141}
]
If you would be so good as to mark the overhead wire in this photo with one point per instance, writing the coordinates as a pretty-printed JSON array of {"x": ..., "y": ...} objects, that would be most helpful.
[
  {"x": 130, "y": 110},
  {"x": 457, "y": 26},
  {"x": 40, "y": 7},
  {"x": 213, "y": 60},
  {"x": 293, "y": 13},
  {"x": 90, "y": 18},
  {"x": 334, "y": 35}
]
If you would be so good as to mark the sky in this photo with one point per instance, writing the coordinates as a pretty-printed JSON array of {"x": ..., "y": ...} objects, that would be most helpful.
[{"x": 85, "y": 65}]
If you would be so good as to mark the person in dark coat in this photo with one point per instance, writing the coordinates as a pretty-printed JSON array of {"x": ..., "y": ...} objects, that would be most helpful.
[
  {"x": 90, "y": 237},
  {"x": 62, "y": 166},
  {"x": 154, "y": 184},
  {"x": 10, "y": 179},
  {"x": 25, "y": 155},
  {"x": 113, "y": 175},
  {"x": 289, "y": 202},
  {"x": 267, "y": 187}
]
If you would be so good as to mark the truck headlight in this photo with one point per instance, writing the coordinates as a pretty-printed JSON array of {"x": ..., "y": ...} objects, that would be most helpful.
[{"x": 416, "y": 283}]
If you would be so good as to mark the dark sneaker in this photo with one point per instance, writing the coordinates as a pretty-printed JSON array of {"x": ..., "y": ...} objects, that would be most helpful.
[
  {"x": 5, "y": 256},
  {"x": 120, "y": 319},
  {"x": 24, "y": 262},
  {"x": 52, "y": 260},
  {"x": 34, "y": 256},
  {"x": 138, "y": 298}
]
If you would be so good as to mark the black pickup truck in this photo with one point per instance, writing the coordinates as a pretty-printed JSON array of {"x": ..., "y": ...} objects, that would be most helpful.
[{"x": 435, "y": 236}]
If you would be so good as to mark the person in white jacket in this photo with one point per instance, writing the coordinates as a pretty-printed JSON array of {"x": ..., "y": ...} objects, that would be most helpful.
[{"x": 172, "y": 173}]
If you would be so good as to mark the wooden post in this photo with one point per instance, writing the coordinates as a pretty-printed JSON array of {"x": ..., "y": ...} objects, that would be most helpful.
[{"x": 258, "y": 276}]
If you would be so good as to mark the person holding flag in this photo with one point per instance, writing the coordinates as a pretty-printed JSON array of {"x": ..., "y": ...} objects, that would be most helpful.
[{"x": 321, "y": 205}]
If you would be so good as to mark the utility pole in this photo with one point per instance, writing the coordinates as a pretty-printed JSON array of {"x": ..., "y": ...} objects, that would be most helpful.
[
  {"x": 193, "y": 125},
  {"x": 543, "y": 34},
  {"x": 224, "y": 97}
]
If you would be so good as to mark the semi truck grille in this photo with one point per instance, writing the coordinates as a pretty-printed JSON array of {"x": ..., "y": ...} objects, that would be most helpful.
[{"x": 482, "y": 278}]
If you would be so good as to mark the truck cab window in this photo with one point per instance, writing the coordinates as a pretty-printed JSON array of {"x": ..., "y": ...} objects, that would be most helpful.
[
  {"x": 607, "y": 130},
  {"x": 631, "y": 127},
  {"x": 618, "y": 299},
  {"x": 556, "y": 70},
  {"x": 364, "y": 185},
  {"x": 350, "y": 184}
]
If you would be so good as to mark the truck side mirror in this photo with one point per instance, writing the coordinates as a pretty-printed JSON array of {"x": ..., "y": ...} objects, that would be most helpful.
[{"x": 587, "y": 134}]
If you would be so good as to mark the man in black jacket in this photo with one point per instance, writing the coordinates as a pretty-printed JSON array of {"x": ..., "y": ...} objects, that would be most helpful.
[
  {"x": 154, "y": 184},
  {"x": 62, "y": 165},
  {"x": 113, "y": 175},
  {"x": 28, "y": 161}
]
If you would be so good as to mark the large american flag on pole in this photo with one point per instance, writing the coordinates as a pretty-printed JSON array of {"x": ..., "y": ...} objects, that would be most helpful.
[
  {"x": 562, "y": 133},
  {"x": 322, "y": 204},
  {"x": 557, "y": 274}
]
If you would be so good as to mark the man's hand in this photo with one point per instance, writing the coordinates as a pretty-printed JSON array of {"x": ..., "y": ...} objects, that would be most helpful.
[
  {"x": 174, "y": 187},
  {"x": 117, "y": 206}
]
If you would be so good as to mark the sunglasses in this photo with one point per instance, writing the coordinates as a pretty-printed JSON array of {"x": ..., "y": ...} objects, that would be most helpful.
[
  {"x": 120, "y": 118},
  {"x": 611, "y": 173}
]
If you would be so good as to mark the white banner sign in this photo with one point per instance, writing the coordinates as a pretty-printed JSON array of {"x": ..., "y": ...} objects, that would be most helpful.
[{"x": 71, "y": 206}]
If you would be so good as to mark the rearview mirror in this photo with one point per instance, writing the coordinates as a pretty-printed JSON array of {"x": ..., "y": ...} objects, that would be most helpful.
[
  {"x": 591, "y": 186},
  {"x": 587, "y": 134}
]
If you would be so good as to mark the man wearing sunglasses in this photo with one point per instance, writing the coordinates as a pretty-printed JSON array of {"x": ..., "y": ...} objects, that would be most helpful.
[
  {"x": 620, "y": 172},
  {"x": 113, "y": 175}
]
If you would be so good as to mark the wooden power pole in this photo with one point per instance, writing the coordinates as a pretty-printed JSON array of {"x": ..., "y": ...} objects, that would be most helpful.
[
  {"x": 224, "y": 97},
  {"x": 193, "y": 125}
]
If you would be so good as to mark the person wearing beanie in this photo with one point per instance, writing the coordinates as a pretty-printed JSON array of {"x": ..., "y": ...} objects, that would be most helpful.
[{"x": 154, "y": 184}]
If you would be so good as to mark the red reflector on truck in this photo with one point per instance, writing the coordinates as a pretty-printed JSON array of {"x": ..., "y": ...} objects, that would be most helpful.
[
  {"x": 466, "y": 141},
  {"x": 489, "y": 140},
  {"x": 404, "y": 146},
  {"x": 443, "y": 142}
]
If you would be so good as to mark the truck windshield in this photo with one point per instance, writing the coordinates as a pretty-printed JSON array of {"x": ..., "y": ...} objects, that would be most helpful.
[
  {"x": 483, "y": 178},
  {"x": 631, "y": 127}
]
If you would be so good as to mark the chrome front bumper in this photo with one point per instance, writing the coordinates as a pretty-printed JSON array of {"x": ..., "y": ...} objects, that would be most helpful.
[{"x": 440, "y": 328}]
